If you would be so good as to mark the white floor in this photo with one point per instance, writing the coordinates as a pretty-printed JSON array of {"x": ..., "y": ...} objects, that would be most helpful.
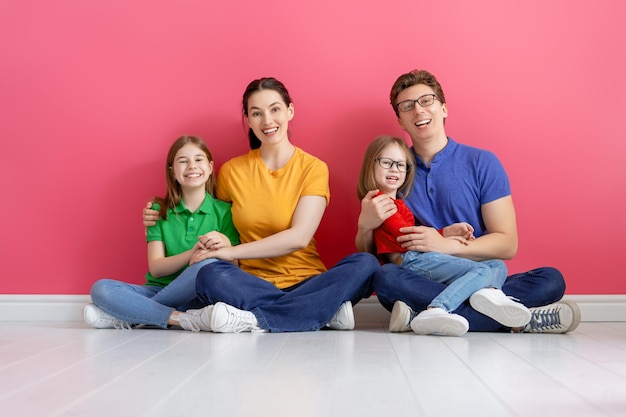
[{"x": 68, "y": 369}]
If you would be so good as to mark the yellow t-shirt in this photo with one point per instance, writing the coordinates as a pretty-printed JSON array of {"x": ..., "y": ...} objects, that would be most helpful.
[{"x": 263, "y": 203}]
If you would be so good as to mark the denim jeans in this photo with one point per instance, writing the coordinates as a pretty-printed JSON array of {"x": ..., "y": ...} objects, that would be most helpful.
[
  {"x": 537, "y": 287},
  {"x": 462, "y": 277},
  {"x": 306, "y": 306},
  {"x": 148, "y": 304}
]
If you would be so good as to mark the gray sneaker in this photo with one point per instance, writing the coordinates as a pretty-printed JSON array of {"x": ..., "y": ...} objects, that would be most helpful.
[
  {"x": 559, "y": 317},
  {"x": 401, "y": 317},
  {"x": 96, "y": 317},
  {"x": 228, "y": 319},
  {"x": 343, "y": 318},
  {"x": 196, "y": 320}
]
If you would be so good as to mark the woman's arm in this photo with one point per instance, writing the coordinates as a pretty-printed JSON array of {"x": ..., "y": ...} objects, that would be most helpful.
[
  {"x": 306, "y": 220},
  {"x": 161, "y": 265}
]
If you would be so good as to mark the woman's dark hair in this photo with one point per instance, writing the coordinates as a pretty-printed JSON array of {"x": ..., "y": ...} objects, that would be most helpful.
[{"x": 261, "y": 84}]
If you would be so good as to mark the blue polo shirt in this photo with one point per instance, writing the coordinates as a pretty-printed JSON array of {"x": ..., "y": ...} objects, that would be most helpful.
[
  {"x": 181, "y": 230},
  {"x": 458, "y": 182}
]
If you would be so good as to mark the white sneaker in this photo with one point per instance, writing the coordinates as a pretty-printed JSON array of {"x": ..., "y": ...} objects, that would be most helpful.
[
  {"x": 495, "y": 304},
  {"x": 96, "y": 317},
  {"x": 401, "y": 317},
  {"x": 196, "y": 320},
  {"x": 559, "y": 317},
  {"x": 343, "y": 318},
  {"x": 228, "y": 319},
  {"x": 439, "y": 322}
]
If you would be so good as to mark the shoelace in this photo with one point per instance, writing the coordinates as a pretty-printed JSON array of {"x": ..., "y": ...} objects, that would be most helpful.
[
  {"x": 334, "y": 320},
  {"x": 122, "y": 325},
  {"x": 114, "y": 322},
  {"x": 186, "y": 323},
  {"x": 238, "y": 322},
  {"x": 545, "y": 319}
]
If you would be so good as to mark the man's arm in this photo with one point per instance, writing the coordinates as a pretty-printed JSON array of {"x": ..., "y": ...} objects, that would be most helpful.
[
  {"x": 306, "y": 219},
  {"x": 500, "y": 241}
]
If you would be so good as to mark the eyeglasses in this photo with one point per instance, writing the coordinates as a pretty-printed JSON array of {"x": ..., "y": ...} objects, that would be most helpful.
[
  {"x": 387, "y": 163},
  {"x": 424, "y": 101}
]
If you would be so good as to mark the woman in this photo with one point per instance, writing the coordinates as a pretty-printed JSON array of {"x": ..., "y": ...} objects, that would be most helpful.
[{"x": 278, "y": 194}]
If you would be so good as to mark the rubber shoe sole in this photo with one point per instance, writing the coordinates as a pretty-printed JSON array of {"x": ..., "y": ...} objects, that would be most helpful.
[
  {"x": 495, "y": 304},
  {"x": 438, "y": 322}
]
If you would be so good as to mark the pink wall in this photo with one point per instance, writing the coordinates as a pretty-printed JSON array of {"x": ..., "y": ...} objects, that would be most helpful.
[{"x": 93, "y": 93}]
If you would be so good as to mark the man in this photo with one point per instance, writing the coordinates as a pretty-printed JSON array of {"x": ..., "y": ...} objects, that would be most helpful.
[{"x": 453, "y": 183}]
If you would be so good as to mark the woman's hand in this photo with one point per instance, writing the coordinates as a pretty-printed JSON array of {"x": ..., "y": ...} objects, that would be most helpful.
[
  {"x": 224, "y": 254},
  {"x": 149, "y": 216},
  {"x": 214, "y": 240}
]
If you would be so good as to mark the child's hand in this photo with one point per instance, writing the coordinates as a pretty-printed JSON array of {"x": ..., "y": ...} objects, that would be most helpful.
[
  {"x": 213, "y": 241},
  {"x": 199, "y": 254},
  {"x": 462, "y": 229}
]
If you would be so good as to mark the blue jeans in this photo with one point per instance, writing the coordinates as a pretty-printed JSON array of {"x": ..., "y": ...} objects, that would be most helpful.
[
  {"x": 306, "y": 306},
  {"x": 537, "y": 287},
  {"x": 462, "y": 277},
  {"x": 148, "y": 304}
]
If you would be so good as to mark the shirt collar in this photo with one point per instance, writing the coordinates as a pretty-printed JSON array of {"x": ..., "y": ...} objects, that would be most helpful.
[
  {"x": 205, "y": 207},
  {"x": 439, "y": 156}
]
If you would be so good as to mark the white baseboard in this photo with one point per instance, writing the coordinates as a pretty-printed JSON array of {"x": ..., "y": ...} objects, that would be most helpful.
[
  {"x": 42, "y": 307},
  {"x": 46, "y": 307}
]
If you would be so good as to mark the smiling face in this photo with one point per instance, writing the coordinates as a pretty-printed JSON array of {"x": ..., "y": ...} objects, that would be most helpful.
[
  {"x": 390, "y": 179},
  {"x": 422, "y": 123},
  {"x": 191, "y": 167},
  {"x": 268, "y": 116}
]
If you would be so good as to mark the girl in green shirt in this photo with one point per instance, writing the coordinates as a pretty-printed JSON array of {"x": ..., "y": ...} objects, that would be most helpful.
[{"x": 191, "y": 219}]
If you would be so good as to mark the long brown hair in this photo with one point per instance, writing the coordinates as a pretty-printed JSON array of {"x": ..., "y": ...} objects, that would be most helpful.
[
  {"x": 367, "y": 181},
  {"x": 174, "y": 193},
  {"x": 261, "y": 84}
]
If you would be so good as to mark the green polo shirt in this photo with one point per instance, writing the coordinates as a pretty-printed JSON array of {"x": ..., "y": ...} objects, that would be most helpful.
[{"x": 181, "y": 230}]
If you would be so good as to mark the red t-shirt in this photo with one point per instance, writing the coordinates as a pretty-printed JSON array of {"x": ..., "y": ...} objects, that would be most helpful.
[{"x": 385, "y": 235}]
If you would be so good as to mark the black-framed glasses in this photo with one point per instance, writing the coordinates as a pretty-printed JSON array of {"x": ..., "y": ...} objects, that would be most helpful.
[
  {"x": 424, "y": 101},
  {"x": 387, "y": 163}
]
